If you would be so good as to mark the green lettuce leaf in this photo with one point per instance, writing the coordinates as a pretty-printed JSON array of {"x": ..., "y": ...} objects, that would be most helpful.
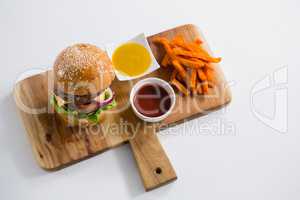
[{"x": 92, "y": 117}]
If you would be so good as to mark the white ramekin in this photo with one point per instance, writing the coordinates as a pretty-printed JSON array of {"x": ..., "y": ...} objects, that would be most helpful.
[{"x": 163, "y": 84}]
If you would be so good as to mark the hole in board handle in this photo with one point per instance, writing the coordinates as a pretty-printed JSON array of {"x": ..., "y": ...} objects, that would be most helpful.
[{"x": 158, "y": 170}]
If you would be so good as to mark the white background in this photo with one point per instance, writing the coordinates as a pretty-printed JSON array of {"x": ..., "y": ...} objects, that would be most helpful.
[{"x": 254, "y": 38}]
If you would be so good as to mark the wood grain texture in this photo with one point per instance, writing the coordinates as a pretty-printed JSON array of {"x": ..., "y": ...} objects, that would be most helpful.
[
  {"x": 56, "y": 146},
  {"x": 153, "y": 164}
]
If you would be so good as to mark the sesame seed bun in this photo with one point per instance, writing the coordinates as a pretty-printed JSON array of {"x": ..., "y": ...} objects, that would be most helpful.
[{"x": 82, "y": 69}]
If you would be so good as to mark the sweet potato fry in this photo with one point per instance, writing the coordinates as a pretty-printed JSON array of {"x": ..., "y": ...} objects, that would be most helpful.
[
  {"x": 192, "y": 71},
  {"x": 203, "y": 78},
  {"x": 160, "y": 40},
  {"x": 165, "y": 61},
  {"x": 201, "y": 75},
  {"x": 200, "y": 55},
  {"x": 174, "y": 74},
  {"x": 198, "y": 41},
  {"x": 196, "y": 64},
  {"x": 166, "y": 45},
  {"x": 193, "y": 79},
  {"x": 182, "y": 45},
  {"x": 178, "y": 39},
  {"x": 209, "y": 74},
  {"x": 204, "y": 87},
  {"x": 180, "y": 87},
  {"x": 180, "y": 69},
  {"x": 204, "y": 54},
  {"x": 196, "y": 47}
]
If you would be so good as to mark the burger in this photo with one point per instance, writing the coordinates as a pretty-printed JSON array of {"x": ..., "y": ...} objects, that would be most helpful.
[{"x": 82, "y": 76}]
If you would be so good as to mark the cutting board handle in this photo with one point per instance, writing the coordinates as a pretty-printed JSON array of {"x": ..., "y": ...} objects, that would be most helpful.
[{"x": 153, "y": 164}]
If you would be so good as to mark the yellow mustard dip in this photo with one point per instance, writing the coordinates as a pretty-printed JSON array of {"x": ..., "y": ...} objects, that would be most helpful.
[{"x": 131, "y": 59}]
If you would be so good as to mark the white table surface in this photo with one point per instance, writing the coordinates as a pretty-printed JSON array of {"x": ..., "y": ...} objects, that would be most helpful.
[{"x": 253, "y": 157}]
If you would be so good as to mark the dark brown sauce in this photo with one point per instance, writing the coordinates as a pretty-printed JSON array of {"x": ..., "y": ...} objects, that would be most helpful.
[{"x": 152, "y": 100}]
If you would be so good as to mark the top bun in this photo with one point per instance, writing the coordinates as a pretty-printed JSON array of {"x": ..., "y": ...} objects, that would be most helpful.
[{"x": 82, "y": 69}]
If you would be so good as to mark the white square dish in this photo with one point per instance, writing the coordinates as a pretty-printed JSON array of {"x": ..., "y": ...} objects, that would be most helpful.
[{"x": 140, "y": 39}]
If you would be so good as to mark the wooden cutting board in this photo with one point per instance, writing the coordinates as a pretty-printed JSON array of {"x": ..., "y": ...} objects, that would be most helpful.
[{"x": 56, "y": 146}]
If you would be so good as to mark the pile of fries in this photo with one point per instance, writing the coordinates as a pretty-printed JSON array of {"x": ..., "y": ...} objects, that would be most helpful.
[{"x": 192, "y": 72}]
